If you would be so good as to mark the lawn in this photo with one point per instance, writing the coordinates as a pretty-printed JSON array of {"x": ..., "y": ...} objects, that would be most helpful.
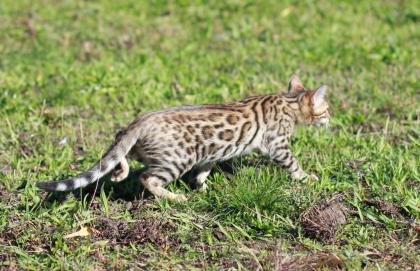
[{"x": 72, "y": 73}]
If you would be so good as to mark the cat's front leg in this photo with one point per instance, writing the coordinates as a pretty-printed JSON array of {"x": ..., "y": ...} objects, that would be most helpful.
[{"x": 282, "y": 156}]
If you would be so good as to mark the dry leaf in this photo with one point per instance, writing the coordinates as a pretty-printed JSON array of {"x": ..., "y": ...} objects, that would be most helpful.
[
  {"x": 84, "y": 231},
  {"x": 285, "y": 12}
]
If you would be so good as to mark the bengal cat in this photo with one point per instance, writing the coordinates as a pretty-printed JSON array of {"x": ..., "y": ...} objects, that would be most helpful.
[{"x": 174, "y": 141}]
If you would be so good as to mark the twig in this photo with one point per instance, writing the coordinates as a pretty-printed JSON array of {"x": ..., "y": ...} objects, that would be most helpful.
[{"x": 97, "y": 183}]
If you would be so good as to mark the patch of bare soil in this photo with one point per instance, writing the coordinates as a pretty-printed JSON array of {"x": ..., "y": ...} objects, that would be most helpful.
[
  {"x": 7, "y": 261},
  {"x": 6, "y": 196},
  {"x": 15, "y": 233},
  {"x": 385, "y": 207},
  {"x": 110, "y": 230},
  {"x": 136, "y": 205},
  {"x": 143, "y": 231},
  {"x": 416, "y": 240},
  {"x": 322, "y": 220},
  {"x": 316, "y": 261},
  {"x": 399, "y": 251}
]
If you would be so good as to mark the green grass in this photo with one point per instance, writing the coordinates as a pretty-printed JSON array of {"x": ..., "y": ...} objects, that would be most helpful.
[{"x": 77, "y": 71}]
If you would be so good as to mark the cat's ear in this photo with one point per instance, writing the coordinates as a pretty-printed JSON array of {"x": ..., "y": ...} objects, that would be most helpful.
[
  {"x": 295, "y": 85},
  {"x": 318, "y": 96}
]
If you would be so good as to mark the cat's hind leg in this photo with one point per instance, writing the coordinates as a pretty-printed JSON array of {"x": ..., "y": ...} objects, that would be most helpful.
[{"x": 154, "y": 181}]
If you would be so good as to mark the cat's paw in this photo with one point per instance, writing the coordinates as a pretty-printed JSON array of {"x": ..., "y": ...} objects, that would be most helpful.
[
  {"x": 173, "y": 197},
  {"x": 180, "y": 198},
  {"x": 119, "y": 175},
  {"x": 313, "y": 177},
  {"x": 200, "y": 187},
  {"x": 299, "y": 175},
  {"x": 203, "y": 187}
]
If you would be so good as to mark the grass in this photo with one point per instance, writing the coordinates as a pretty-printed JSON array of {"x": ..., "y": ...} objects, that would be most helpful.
[{"x": 74, "y": 72}]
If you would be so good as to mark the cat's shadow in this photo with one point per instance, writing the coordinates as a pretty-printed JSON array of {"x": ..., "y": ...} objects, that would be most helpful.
[
  {"x": 131, "y": 189},
  {"x": 128, "y": 189}
]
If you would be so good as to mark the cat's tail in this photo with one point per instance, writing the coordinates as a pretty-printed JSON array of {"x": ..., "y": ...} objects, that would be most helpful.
[{"x": 119, "y": 149}]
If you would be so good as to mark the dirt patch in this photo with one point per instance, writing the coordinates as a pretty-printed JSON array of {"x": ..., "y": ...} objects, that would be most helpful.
[
  {"x": 398, "y": 251},
  {"x": 110, "y": 230},
  {"x": 147, "y": 230},
  {"x": 6, "y": 196},
  {"x": 135, "y": 206},
  {"x": 416, "y": 228},
  {"x": 322, "y": 220},
  {"x": 100, "y": 258},
  {"x": 30, "y": 235},
  {"x": 316, "y": 261},
  {"x": 8, "y": 262},
  {"x": 143, "y": 231},
  {"x": 385, "y": 207},
  {"x": 416, "y": 240}
]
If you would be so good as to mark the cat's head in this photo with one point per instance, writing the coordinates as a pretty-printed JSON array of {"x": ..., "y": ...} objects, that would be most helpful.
[{"x": 313, "y": 108}]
